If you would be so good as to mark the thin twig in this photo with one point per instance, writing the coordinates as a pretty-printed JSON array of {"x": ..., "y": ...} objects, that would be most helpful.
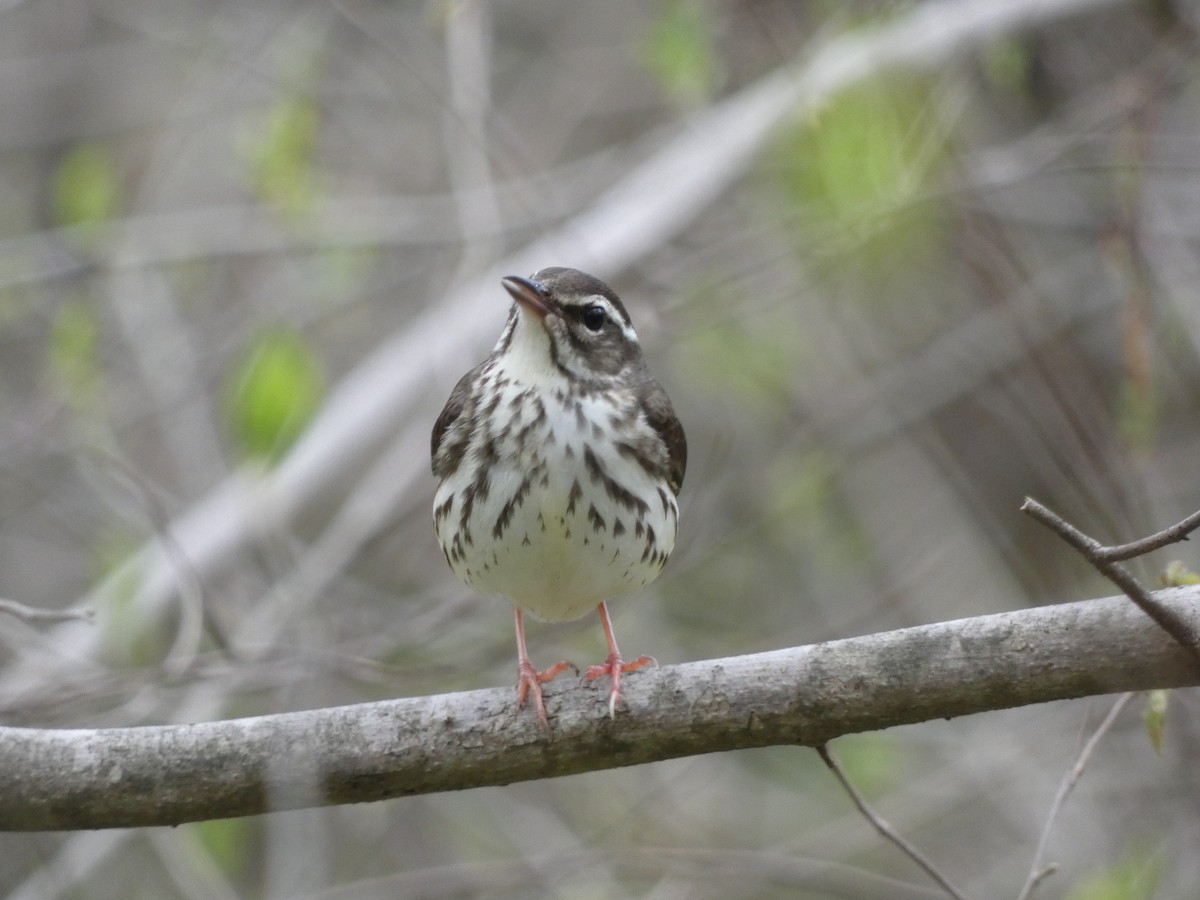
[
  {"x": 1173, "y": 535},
  {"x": 1103, "y": 558},
  {"x": 195, "y": 610},
  {"x": 1038, "y": 875},
  {"x": 884, "y": 828},
  {"x": 33, "y": 614}
]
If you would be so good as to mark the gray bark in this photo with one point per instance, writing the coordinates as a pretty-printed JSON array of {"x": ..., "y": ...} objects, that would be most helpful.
[{"x": 164, "y": 775}]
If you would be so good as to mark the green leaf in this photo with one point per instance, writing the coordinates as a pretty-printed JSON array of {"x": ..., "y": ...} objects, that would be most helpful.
[
  {"x": 74, "y": 338},
  {"x": 1156, "y": 717},
  {"x": 1177, "y": 574},
  {"x": 678, "y": 50},
  {"x": 870, "y": 762},
  {"x": 274, "y": 394},
  {"x": 281, "y": 160},
  {"x": 857, "y": 177},
  {"x": 86, "y": 187},
  {"x": 230, "y": 843},
  {"x": 1134, "y": 878}
]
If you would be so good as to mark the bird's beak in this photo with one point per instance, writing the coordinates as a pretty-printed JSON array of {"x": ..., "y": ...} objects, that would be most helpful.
[{"x": 529, "y": 293}]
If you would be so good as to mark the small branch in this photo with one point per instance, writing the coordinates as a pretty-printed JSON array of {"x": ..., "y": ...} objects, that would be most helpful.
[
  {"x": 527, "y": 874},
  {"x": 1173, "y": 535},
  {"x": 884, "y": 828},
  {"x": 1103, "y": 557},
  {"x": 32, "y": 614},
  {"x": 1036, "y": 879},
  {"x": 195, "y": 614},
  {"x": 96, "y": 778},
  {"x": 1036, "y": 875}
]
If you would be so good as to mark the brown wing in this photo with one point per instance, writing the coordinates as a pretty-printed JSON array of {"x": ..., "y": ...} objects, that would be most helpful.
[
  {"x": 444, "y": 459},
  {"x": 661, "y": 417}
]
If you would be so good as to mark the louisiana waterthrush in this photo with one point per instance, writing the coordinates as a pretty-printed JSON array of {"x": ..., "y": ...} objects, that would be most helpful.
[{"x": 559, "y": 459}]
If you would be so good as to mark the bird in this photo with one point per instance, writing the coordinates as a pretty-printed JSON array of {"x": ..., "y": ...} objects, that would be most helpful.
[{"x": 559, "y": 462}]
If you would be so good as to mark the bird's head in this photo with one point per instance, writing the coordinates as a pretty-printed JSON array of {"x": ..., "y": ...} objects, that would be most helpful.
[{"x": 568, "y": 323}]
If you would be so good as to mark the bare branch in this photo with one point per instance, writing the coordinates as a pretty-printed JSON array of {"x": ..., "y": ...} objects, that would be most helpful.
[
  {"x": 1173, "y": 535},
  {"x": 1038, "y": 875},
  {"x": 1101, "y": 557},
  {"x": 733, "y": 866},
  {"x": 884, "y": 828},
  {"x": 32, "y": 614},
  {"x": 98, "y": 778}
]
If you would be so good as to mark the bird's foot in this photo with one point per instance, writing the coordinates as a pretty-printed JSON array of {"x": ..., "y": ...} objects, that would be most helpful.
[
  {"x": 529, "y": 683},
  {"x": 614, "y": 666}
]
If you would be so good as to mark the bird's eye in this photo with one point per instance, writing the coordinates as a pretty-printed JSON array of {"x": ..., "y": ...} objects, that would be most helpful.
[{"x": 594, "y": 318}]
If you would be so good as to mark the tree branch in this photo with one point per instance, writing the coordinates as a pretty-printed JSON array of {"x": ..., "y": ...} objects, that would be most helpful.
[
  {"x": 164, "y": 775},
  {"x": 1103, "y": 558},
  {"x": 1038, "y": 874},
  {"x": 884, "y": 827},
  {"x": 1180, "y": 531},
  {"x": 32, "y": 614}
]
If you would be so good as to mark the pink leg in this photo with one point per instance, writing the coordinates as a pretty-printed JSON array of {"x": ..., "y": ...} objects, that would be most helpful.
[
  {"x": 614, "y": 665},
  {"x": 529, "y": 679}
]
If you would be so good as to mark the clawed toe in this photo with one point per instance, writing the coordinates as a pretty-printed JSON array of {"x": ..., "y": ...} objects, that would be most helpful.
[
  {"x": 614, "y": 667},
  {"x": 530, "y": 681}
]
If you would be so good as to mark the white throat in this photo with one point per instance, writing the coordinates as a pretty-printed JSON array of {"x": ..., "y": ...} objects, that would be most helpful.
[{"x": 528, "y": 358}]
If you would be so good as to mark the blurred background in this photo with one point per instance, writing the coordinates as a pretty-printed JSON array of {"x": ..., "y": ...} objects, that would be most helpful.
[{"x": 898, "y": 265}]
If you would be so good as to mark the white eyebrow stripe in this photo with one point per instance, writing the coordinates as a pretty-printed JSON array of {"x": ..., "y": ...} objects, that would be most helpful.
[{"x": 615, "y": 315}]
